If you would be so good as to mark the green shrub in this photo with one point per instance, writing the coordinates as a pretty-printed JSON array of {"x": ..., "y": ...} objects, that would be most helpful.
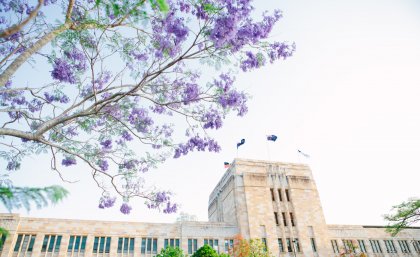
[
  {"x": 171, "y": 252},
  {"x": 205, "y": 251}
]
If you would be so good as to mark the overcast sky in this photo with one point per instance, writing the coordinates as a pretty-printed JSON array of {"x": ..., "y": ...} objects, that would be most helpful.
[{"x": 349, "y": 98}]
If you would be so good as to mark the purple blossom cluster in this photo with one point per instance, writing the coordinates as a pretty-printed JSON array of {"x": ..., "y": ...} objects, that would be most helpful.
[
  {"x": 234, "y": 100},
  {"x": 68, "y": 161},
  {"x": 106, "y": 144},
  {"x": 197, "y": 143},
  {"x": 103, "y": 165},
  {"x": 191, "y": 93},
  {"x": 65, "y": 69},
  {"x": 13, "y": 165},
  {"x": 252, "y": 61},
  {"x": 106, "y": 202},
  {"x": 212, "y": 119},
  {"x": 125, "y": 208},
  {"x": 281, "y": 51},
  {"x": 140, "y": 119},
  {"x": 61, "y": 98}
]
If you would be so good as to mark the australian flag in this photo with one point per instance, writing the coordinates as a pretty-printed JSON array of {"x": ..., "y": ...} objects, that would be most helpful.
[
  {"x": 240, "y": 143},
  {"x": 272, "y": 138}
]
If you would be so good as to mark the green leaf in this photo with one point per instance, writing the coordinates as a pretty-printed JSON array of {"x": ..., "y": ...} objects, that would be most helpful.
[{"x": 163, "y": 5}]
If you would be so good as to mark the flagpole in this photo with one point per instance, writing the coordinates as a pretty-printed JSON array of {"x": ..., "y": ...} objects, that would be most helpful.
[{"x": 268, "y": 150}]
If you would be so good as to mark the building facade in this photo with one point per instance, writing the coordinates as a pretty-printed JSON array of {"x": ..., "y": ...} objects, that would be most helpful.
[{"x": 274, "y": 201}]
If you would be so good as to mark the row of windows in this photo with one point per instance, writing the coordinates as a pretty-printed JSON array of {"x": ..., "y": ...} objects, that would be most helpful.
[
  {"x": 376, "y": 246},
  {"x": 283, "y": 214},
  {"x": 292, "y": 245},
  {"x": 280, "y": 195}
]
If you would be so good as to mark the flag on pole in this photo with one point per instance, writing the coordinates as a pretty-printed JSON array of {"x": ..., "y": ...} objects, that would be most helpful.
[
  {"x": 227, "y": 165},
  {"x": 304, "y": 154},
  {"x": 272, "y": 138},
  {"x": 240, "y": 143}
]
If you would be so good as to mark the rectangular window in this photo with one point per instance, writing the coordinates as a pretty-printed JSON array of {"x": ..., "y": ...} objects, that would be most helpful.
[
  {"x": 416, "y": 245},
  {"x": 362, "y": 246},
  {"x": 281, "y": 246},
  {"x": 376, "y": 247},
  {"x": 404, "y": 246},
  {"x": 192, "y": 246},
  {"x": 24, "y": 244},
  {"x": 289, "y": 245},
  {"x": 335, "y": 246},
  {"x": 77, "y": 244},
  {"x": 297, "y": 245},
  {"x": 272, "y": 194},
  {"x": 228, "y": 245},
  {"x": 292, "y": 220},
  {"x": 390, "y": 247},
  {"x": 283, "y": 214},
  {"x": 313, "y": 244},
  {"x": 276, "y": 218},
  {"x": 287, "y": 195},
  {"x": 264, "y": 241},
  {"x": 125, "y": 245},
  {"x": 100, "y": 244},
  {"x": 280, "y": 197},
  {"x": 148, "y": 245},
  {"x": 2, "y": 240},
  {"x": 348, "y": 245},
  {"x": 50, "y": 244},
  {"x": 143, "y": 245}
]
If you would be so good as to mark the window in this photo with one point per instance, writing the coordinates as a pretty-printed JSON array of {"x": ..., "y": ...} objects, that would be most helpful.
[
  {"x": 264, "y": 241},
  {"x": 389, "y": 245},
  {"x": 362, "y": 246},
  {"x": 148, "y": 245},
  {"x": 297, "y": 245},
  {"x": 192, "y": 246},
  {"x": 281, "y": 246},
  {"x": 77, "y": 244},
  {"x": 404, "y": 246},
  {"x": 101, "y": 244},
  {"x": 24, "y": 245},
  {"x": 289, "y": 245},
  {"x": 172, "y": 242},
  {"x": 335, "y": 246},
  {"x": 292, "y": 221},
  {"x": 126, "y": 245},
  {"x": 376, "y": 247},
  {"x": 2, "y": 240},
  {"x": 287, "y": 195},
  {"x": 214, "y": 243},
  {"x": 51, "y": 244},
  {"x": 348, "y": 245},
  {"x": 416, "y": 245},
  {"x": 280, "y": 197},
  {"x": 228, "y": 244},
  {"x": 283, "y": 214},
  {"x": 276, "y": 218},
  {"x": 313, "y": 244},
  {"x": 272, "y": 194}
]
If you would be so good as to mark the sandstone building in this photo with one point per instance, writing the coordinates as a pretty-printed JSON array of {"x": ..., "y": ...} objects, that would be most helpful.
[{"x": 273, "y": 201}]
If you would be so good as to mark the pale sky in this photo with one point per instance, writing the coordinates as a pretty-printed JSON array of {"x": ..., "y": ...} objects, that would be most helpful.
[{"x": 348, "y": 98}]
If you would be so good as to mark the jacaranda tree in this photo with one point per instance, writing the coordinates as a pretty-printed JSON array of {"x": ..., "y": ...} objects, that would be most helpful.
[{"x": 125, "y": 83}]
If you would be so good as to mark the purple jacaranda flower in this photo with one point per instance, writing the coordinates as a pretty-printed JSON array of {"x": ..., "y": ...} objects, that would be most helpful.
[
  {"x": 125, "y": 208},
  {"x": 212, "y": 119},
  {"x": 281, "y": 51},
  {"x": 68, "y": 161},
  {"x": 252, "y": 61},
  {"x": 170, "y": 208},
  {"x": 13, "y": 165},
  {"x": 127, "y": 136},
  {"x": 106, "y": 202},
  {"x": 103, "y": 164},
  {"x": 196, "y": 143},
  {"x": 107, "y": 144},
  {"x": 140, "y": 119},
  {"x": 62, "y": 71},
  {"x": 191, "y": 93}
]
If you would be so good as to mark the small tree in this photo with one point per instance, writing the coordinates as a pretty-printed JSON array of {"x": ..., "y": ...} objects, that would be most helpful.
[
  {"x": 249, "y": 248},
  {"x": 205, "y": 251},
  {"x": 171, "y": 252},
  {"x": 404, "y": 215}
]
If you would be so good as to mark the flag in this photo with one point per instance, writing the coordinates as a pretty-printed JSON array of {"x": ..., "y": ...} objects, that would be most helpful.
[
  {"x": 227, "y": 165},
  {"x": 272, "y": 138},
  {"x": 240, "y": 143},
  {"x": 304, "y": 154}
]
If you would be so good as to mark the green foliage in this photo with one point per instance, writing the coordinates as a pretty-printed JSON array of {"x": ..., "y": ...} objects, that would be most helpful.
[
  {"x": 205, "y": 251},
  {"x": 171, "y": 252},
  {"x": 258, "y": 249},
  {"x": 405, "y": 214},
  {"x": 224, "y": 255},
  {"x": 18, "y": 197}
]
